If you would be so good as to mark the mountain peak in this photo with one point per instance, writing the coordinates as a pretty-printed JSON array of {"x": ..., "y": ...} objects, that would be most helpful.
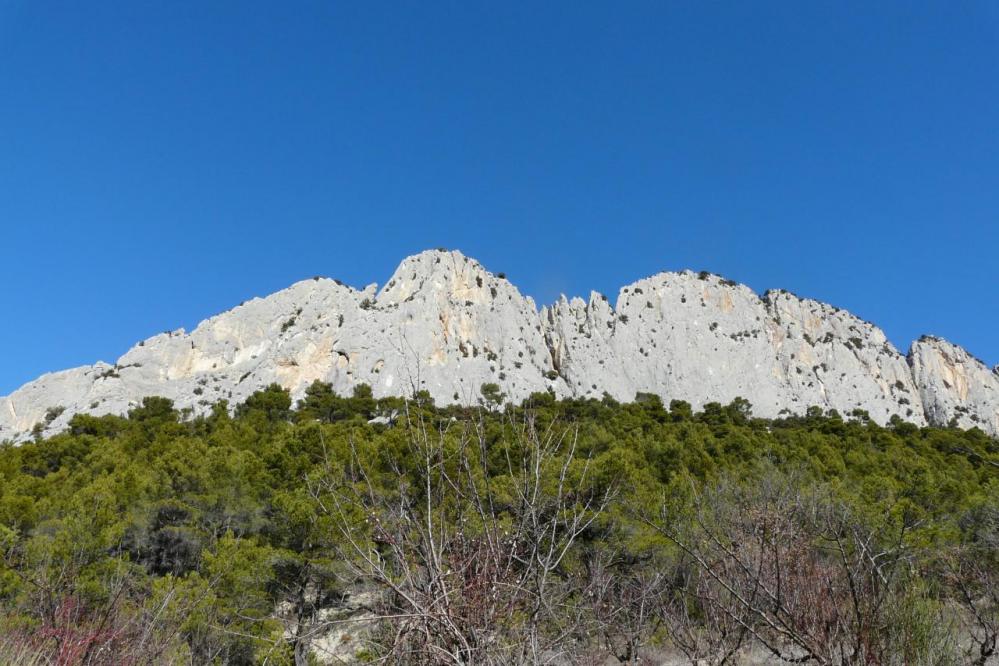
[
  {"x": 445, "y": 324},
  {"x": 434, "y": 270}
]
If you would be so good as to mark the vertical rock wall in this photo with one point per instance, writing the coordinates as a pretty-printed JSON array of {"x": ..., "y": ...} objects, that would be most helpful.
[{"x": 446, "y": 325}]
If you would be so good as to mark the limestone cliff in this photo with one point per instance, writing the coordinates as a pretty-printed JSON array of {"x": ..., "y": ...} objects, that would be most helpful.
[
  {"x": 954, "y": 386},
  {"x": 445, "y": 324}
]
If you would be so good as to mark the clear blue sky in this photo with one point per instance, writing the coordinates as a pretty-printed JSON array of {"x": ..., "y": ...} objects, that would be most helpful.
[{"x": 161, "y": 162}]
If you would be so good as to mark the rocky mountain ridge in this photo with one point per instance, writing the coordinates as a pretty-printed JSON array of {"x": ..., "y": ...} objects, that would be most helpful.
[{"x": 445, "y": 324}]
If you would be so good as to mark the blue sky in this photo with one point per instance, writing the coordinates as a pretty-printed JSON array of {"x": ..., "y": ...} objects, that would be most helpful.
[{"x": 161, "y": 162}]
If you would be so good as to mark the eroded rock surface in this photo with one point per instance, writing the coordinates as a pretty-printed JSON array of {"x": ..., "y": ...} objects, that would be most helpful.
[
  {"x": 686, "y": 336},
  {"x": 832, "y": 359},
  {"x": 445, "y": 324},
  {"x": 955, "y": 387}
]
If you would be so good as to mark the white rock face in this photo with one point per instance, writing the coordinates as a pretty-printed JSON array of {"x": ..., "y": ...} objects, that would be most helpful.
[
  {"x": 446, "y": 325},
  {"x": 954, "y": 385},
  {"x": 834, "y": 360},
  {"x": 700, "y": 338},
  {"x": 673, "y": 334}
]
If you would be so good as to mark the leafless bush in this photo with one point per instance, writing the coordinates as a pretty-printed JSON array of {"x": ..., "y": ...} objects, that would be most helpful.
[
  {"x": 802, "y": 575},
  {"x": 626, "y": 595},
  {"x": 475, "y": 556},
  {"x": 970, "y": 572}
]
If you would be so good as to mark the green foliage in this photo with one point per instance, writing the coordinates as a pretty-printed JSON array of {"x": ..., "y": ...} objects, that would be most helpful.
[
  {"x": 210, "y": 523},
  {"x": 492, "y": 396}
]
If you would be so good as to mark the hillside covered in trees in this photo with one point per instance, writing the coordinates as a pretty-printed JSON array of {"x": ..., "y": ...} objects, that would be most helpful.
[{"x": 554, "y": 531}]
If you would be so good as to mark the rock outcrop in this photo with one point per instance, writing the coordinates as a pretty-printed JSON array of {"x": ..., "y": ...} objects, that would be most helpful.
[
  {"x": 687, "y": 336},
  {"x": 834, "y": 360},
  {"x": 446, "y": 325},
  {"x": 955, "y": 387}
]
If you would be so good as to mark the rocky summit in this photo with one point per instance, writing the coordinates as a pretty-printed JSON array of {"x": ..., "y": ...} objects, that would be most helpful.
[{"x": 445, "y": 324}]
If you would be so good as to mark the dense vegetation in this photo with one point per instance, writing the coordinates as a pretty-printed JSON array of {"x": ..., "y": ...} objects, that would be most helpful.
[{"x": 570, "y": 531}]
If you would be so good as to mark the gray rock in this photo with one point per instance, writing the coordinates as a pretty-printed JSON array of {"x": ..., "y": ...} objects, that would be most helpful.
[
  {"x": 673, "y": 334},
  {"x": 446, "y": 325},
  {"x": 834, "y": 360},
  {"x": 954, "y": 385},
  {"x": 700, "y": 338}
]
